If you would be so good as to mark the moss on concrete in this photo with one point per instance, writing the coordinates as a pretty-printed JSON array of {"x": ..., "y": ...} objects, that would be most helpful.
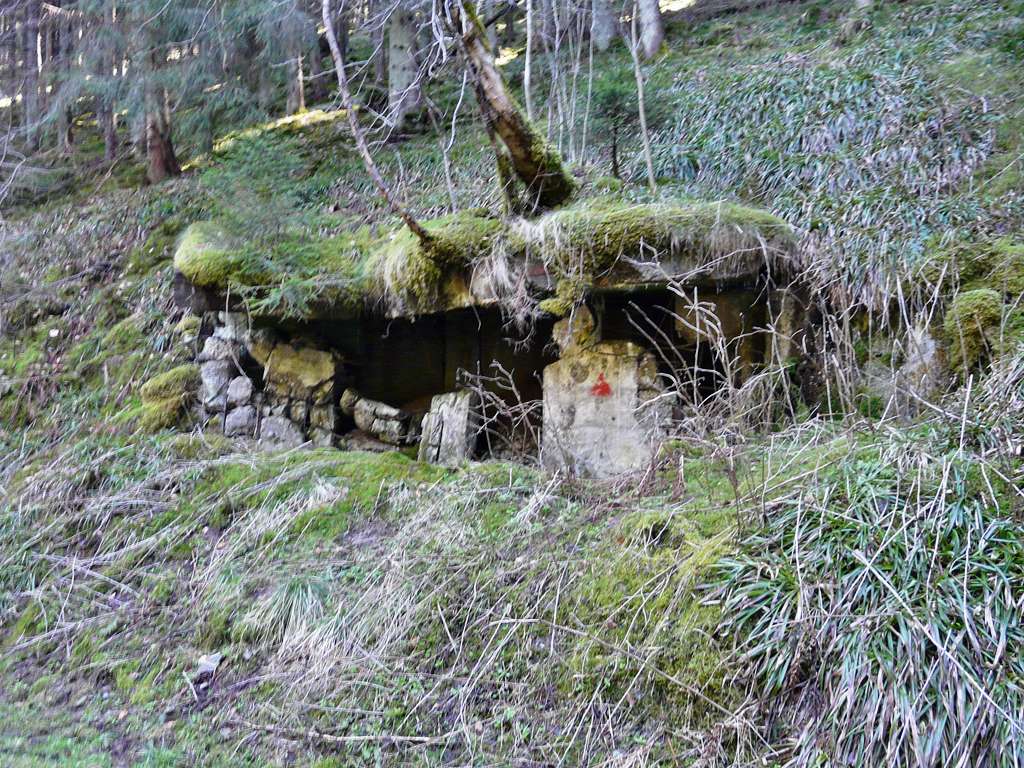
[{"x": 578, "y": 244}]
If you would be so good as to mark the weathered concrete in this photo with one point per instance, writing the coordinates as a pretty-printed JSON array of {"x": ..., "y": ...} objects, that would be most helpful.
[
  {"x": 450, "y": 428},
  {"x": 605, "y": 411}
]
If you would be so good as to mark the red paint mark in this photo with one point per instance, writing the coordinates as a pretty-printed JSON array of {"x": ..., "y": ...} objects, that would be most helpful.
[{"x": 602, "y": 388}]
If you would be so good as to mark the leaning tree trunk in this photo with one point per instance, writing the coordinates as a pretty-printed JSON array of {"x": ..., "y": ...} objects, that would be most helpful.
[
  {"x": 520, "y": 149},
  {"x": 404, "y": 94},
  {"x": 604, "y": 24},
  {"x": 30, "y": 74},
  {"x": 652, "y": 27}
]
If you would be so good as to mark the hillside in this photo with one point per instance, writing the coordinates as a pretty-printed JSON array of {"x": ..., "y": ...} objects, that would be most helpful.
[{"x": 822, "y": 565}]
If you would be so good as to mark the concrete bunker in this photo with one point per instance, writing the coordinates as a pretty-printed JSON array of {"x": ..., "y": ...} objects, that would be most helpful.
[{"x": 591, "y": 382}]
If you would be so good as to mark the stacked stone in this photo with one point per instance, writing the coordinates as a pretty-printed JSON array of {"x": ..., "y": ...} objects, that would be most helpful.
[
  {"x": 299, "y": 392},
  {"x": 227, "y": 393},
  {"x": 389, "y": 424}
]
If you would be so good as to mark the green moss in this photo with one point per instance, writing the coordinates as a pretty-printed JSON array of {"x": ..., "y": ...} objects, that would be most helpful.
[
  {"x": 166, "y": 397},
  {"x": 157, "y": 249},
  {"x": 579, "y": 243},
  {"x": 413, "y": 271},
  {"x": 125, "y": 336},
  {"x": 978, "y": 328},
  {"x": 209, "y": 257},
  {"x": 993, "y": 264},
  {"x": 177, "y": 382},
  {"x": 643, "y": 588},
  {"x": 30, "y": 622}
]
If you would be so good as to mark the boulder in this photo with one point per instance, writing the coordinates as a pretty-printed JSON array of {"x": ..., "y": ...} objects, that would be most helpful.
[
  {"x": 241, "y": 422},
  {"x": 605, "y": 411},
  {"x": 232, "y": 327},
  {"x": 576, "y": 332},
  {"x": 301, "y": 373},
  {"x": 239, "y": 391},
  {"x": 450, "y": 428}
]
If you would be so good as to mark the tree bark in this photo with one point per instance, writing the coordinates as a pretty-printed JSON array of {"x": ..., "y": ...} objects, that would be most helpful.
[
  {"x": 295, "y": 101},
  {"x": 404, "y": 92},
  {"x": 652, "y": 27},
  {"x": 106, "y": 115},
  {"x": 30, "y": 74},
  {"x": 528, "y": 66},
  {"x": 520, "y": 148},
  {"x": 160, "y": 156},
  {"x": 604, "y": 24},
  {"x": 163, "y": 163},
  {"x": 63, "y": 48}
]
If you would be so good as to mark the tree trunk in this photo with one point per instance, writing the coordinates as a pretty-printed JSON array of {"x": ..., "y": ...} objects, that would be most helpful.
[
  {"x": 30, "y": 75},
  {"x": 486, "y": 12},
  {"x": 521, "y": 149},
  {"x": 380, "y": 50},
  {"x": 296, "y": 99},
  {"x": 528, "y": 66},
  {"x": 404, "y": 93},
  {"x": 162, "y": 162},
  {"x": 604, "y": 24},
  {"x": 64, "y": 48},
  {"x": 652, "y": 27},
  {"x": 106, "y": 113}
]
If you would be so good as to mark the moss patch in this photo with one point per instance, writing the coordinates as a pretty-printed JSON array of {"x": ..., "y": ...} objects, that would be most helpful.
[
  {"x": 166, "y": 397},
  {"x": 979, "y": 328}
]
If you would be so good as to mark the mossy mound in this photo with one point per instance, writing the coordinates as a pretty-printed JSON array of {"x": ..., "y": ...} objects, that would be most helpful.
[
  {"x": 979, "y": 328},
  {"x": 166, "y": 398},
  {"x": 578, "y": 245},
  {"x": 609, "y": 242}
]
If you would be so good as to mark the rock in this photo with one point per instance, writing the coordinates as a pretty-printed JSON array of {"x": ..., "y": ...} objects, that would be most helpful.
[
  {"x": 576, "y": 332},
  {"x": 216, "y": 375},
  {"x": 604, "y": 410},
  {"x": 450, "y": 428},
  {"x": 301, "y": 373},
  {"x": 241, "y": 422},
  {"x": 239, "y": 391},
  {"x": 261, "y": 343},
  {"x": 278, "y": 432},
  {"x": 217, "y": 349},
  {"x": 322, "y": 417},
  {"x": 187, "y": 329},
  {"x": 321, "y": 438},
  {"x": 232, "y": 326},
  {"x": 390, "y": 424}
]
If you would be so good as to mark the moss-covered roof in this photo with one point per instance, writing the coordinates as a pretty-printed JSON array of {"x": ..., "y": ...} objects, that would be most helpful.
[{"x": 474, "y": 257}]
